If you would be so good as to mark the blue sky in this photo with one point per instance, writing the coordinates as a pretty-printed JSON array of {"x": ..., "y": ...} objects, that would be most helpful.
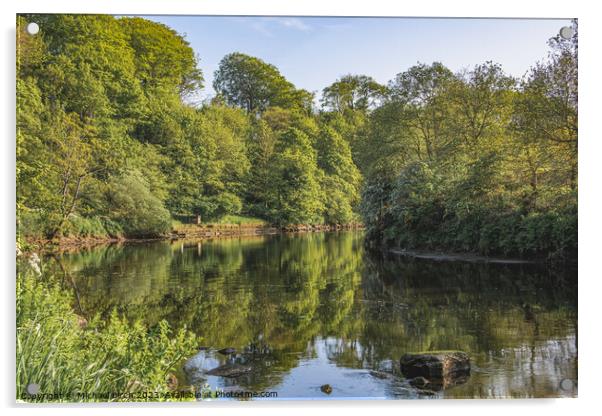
[{"x": 313, "y": 52}]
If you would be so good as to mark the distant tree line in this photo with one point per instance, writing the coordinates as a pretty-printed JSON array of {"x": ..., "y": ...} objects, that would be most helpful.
[{"x": 110, "y": 141}]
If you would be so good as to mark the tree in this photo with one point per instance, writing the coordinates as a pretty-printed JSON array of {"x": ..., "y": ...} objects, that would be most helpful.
[
  {"x": 353, "y": 92},
  {"x": 261, "y": 147},
  {"x": 341, "y": 179},
  {"x": 422, "y": 92},
  {"x": 164, "y": 60},
  {"x": 90, "y": 52},
  {"x": 483, "y": 99},
  {"x": 295, "y": 192},
  {"x": 546, "y": 111},
  {"x": 253, "y": 85}
]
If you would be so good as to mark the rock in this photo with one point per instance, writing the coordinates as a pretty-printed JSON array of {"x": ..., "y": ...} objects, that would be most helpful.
[
  {"x": 381, "y": 375},
  {"x": 203, "y": 348},
  {"x": 325, "y": 388},
  {"x": 436, "y": 365},
  {"x": 230, "y": 370},
  {"x": 419, "y": 382},
  {"x": 227, "y": 351}
]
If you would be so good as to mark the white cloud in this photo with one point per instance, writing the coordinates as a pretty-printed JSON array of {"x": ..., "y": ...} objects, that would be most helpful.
[
  {"x": 265, "y": 25},
  {"x": 293, "y": 23},
  {"x": 260, "y": 26}
]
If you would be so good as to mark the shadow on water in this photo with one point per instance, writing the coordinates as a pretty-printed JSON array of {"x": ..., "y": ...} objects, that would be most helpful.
[{"x": 323, "y": 311}]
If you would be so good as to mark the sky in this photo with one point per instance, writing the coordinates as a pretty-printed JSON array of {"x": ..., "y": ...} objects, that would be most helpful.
[{"x": 312, "y": 52}]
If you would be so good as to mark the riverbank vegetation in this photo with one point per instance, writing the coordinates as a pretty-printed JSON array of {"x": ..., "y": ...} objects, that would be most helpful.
[
  {"x": 476, "y": 161},
  {"x": 113, "y": 141},
  {"x": 71, "y": 358}
]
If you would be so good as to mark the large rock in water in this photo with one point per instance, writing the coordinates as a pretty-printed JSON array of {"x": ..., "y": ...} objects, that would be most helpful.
[
  {"x": 436, "y": 365},
  {"x": 230, "y": 370}
]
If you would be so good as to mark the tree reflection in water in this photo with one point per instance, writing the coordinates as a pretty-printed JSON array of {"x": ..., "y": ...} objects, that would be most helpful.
[{"x": 328, "y": 312}]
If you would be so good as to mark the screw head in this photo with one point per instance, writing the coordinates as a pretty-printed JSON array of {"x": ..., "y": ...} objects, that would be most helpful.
[
  {"x": 566, "y": 32},
  {"x": 32, "y": 28},
  {"x": 566, "y": 384},
  {"x": 33, "y": 388}
]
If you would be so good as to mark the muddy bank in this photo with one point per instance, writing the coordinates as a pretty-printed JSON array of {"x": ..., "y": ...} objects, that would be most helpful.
[{"x": 464, "y": 257}]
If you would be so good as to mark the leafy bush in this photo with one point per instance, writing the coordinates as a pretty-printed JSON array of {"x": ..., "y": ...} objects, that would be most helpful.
[
  {"x": 212, "y": 208},
  {"x": 421, "y": 210},
  {"x": 137, "y": 211},
  {"x": 31, "y": 223},
  {"x": 85, "y": 227}
]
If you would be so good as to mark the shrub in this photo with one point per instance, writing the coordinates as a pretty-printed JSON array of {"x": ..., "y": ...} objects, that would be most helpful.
[{"x": 137, "y": 211}]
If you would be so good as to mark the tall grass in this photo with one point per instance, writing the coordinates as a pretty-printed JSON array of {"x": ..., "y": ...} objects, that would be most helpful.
[
  {"x": 69, "y": 358},
  {"x": 240, "y": 220}
]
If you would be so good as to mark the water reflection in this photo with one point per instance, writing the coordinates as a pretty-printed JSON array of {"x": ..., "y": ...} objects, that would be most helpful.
[{"x": 331, "y": 313}]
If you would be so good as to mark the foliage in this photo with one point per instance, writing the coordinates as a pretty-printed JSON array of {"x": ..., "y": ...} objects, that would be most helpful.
[
  {"x": 353, "y": 92},
  {"x": 475, "y": 161},
  {"x": 295, "y": 192},
  {"x": 135, "y": 208},
  {"x": 251, "y": 84},
  {"x": 96, "y": 360},
  {"x": 240, "y": 220},
  {"x": 110, "y": 141}
]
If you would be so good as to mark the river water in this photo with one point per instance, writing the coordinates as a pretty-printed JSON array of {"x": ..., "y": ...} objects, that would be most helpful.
[{"x": 312, "y": 309}]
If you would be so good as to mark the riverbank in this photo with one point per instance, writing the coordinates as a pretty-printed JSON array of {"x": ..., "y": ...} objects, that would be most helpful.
[
  {"x": 462, "y": 257},
  {"x": 186, "y": 232}
]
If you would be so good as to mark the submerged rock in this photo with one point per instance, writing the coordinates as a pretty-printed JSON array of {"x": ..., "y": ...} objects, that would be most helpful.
[
  {"x": 420, "y": 382},
  {"x": 383, "y": 375},
  {"x": 437, "y": 370},
  {"x": 230, "y": 370},
  {"x": 435, "y": 365},
  {"x": 326, "y": 388}
]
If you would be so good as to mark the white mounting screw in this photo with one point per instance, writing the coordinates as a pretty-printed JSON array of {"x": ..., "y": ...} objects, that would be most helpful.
[
  {"x": 566, "y": 32},
  {"x": 32, "y": 28}
]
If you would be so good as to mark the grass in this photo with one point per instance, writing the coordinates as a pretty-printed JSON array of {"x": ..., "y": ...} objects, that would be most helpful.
[
  {"x": 239, "y": 219},
  {"x": 226, "y": 219}
]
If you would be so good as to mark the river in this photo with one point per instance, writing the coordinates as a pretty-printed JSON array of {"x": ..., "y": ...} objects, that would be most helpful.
[{"x": 318, "y": 309}]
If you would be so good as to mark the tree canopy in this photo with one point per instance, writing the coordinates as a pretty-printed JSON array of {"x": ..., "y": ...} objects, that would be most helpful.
[{"x": 108, "y": 136}]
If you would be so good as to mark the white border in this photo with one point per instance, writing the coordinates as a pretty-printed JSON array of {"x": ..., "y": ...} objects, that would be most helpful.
[{"x": 590, "y": 156}]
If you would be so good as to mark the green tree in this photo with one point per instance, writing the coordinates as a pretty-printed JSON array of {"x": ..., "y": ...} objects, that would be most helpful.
[
  {"x": 341, "y": 179},
  {"x": 164, "y": 59},
  {"x": 295, "y": 192},
  {"x": 353, "y": 92},
  {"x": 261, "y": 147},
  {"x": 250, "y": 83}
]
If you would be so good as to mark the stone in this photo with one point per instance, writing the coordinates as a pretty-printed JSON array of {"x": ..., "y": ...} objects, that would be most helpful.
[
  {"x": 326, "y": 388},
  {"x": 230, "y": 370},
  {"x": 227, "y": 351},
  {"x": 419, "y": 382},
  {"x": 435, "y": 365}
]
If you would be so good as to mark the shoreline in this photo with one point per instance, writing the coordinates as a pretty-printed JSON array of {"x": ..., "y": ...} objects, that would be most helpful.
[
  {"x": 186, "y": 232},
  {"x": 461, "y": 257}
]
